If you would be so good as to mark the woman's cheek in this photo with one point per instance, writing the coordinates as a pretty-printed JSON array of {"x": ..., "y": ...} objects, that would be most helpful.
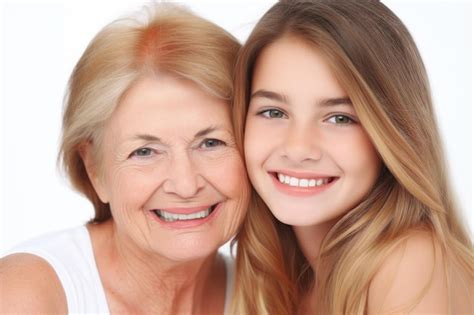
[
  {"x": 225, "y": 170},
  {"x": 135, "y": 184}
]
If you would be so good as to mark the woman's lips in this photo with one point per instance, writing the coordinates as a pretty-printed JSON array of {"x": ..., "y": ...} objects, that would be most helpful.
[{"x": 185, "y": 217}]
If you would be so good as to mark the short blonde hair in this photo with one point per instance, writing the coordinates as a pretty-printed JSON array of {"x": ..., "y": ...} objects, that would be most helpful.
[{"x": 163, "y": 38}]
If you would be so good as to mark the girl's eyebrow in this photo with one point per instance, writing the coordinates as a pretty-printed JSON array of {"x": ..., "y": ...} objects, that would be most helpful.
[
  {"x": 282, "y": 98},
  {"x": 336, "y": 101},
  {"x": 274, "y": 96}
]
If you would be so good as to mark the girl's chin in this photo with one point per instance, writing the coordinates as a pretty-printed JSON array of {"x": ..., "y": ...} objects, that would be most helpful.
[{"x": 302, "y": 218}]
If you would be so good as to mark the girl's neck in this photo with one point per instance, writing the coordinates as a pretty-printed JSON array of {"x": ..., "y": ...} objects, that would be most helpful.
[
  {"x": 138, "y": 282},
  {"x": 308, "y": 303},
  {"x": 309, "y": 240}
]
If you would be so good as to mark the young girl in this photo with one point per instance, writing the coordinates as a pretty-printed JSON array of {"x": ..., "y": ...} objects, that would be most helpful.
[{"x": 342, "y": 147}]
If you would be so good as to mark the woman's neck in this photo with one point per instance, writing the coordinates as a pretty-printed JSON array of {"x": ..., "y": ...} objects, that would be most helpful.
[{"x": 138, "y": 282}]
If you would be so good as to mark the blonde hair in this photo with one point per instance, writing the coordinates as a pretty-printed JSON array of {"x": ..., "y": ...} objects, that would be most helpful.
[
  {"x": 164, "y": 38},
  {"x": 377, "y": 63}
]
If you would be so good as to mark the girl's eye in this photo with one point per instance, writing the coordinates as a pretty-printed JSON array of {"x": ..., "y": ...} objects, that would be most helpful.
[
  {"x": 272, "y": 113},
  {"x": 142, "y": 152},
  {"x": 341, "y": 120},
  {"x": 211, "y": 143}
]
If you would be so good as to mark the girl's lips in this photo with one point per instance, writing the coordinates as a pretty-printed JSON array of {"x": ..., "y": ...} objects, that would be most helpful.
[
  {"x": 299, "y": 174},
  {"x": 298, "y": 191},
  {"x": 185, "y": 224}
]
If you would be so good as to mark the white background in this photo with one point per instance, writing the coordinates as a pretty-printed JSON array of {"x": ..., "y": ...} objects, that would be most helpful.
[{"x": 42, "y": 40}]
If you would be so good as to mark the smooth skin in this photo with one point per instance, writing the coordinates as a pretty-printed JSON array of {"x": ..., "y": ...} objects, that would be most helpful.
[
  {"x": 302, "y": 125},
  {"x": 315, "y": 134}
]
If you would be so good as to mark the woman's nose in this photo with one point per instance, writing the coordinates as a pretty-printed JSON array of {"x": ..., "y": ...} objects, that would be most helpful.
[{"x": 183, "y": 179}]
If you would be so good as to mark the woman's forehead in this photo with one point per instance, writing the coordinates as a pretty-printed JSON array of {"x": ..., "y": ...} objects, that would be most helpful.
[{"x": 168, "y": 106}]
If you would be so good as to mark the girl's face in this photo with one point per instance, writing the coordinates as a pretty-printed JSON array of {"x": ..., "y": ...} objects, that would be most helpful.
[{"x": 307, "y": 154}]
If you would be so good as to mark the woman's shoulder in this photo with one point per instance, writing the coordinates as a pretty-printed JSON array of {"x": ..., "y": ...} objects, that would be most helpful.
[
  {"x": 36, "y": 274},
  {"x": 413, "y": 277},
  {"x": 30, "y": 285}
]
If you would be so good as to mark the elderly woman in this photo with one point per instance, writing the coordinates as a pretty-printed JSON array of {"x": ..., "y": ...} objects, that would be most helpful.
[{"x": 148, "y": 138}]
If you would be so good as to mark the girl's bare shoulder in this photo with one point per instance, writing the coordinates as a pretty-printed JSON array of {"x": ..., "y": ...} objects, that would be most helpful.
[{"x": 413, "y": 278}]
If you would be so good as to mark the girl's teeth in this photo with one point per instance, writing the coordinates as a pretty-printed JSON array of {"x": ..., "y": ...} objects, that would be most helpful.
[
  {"x": 281, "y": 178},
  {"x": 301, "y": 182}
]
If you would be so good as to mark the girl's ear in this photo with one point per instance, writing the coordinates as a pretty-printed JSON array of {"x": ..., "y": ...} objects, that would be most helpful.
[{"x": 86, "y": 152}]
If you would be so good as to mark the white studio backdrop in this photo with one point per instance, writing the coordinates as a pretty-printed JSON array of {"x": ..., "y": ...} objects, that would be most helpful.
[{"x": 42, "y": 40}]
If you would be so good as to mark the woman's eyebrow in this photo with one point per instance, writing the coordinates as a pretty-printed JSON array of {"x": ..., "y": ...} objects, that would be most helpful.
[
  {"x": 155, "y": 139},
  {"x": 208, "y": 130},
  {"x": 147, "y": 137},
  {"x": 204, "y": 132}
]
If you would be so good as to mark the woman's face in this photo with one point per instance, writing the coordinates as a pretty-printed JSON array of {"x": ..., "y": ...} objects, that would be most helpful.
[
  {"x": 307, "y": 154},
  {"x": 170, "y": 170}
]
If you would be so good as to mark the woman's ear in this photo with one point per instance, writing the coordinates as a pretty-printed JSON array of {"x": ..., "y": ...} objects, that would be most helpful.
[{"x": 86, "y": 152}]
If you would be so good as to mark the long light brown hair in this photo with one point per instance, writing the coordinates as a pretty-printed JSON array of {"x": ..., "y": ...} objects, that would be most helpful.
[
  {"x": 162, "y": 38},
  {"x": 376, "y": 61}
]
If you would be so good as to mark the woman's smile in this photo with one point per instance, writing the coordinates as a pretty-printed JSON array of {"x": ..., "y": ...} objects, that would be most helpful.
[{"x": 185, "y": 218}]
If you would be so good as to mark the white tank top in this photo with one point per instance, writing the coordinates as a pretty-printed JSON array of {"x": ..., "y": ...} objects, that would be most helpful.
[{"x": 70, "y": 254}]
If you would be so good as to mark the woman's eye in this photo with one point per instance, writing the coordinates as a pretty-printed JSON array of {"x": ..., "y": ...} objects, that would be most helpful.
[
  {"x": 272, "y": 113},
  {"x": 211, "y": 143},
  {"x": 142, "y": 152},
  {"x": 341, "y": 120}
]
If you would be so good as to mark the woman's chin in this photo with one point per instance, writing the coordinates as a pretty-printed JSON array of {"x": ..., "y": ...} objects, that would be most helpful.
[{"x": 182, "y": 251}]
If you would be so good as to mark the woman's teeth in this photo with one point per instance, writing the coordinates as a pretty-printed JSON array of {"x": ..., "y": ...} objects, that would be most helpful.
[
  {"x": 302, "y": 182},
  {"x": 171, "y": 217}
]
